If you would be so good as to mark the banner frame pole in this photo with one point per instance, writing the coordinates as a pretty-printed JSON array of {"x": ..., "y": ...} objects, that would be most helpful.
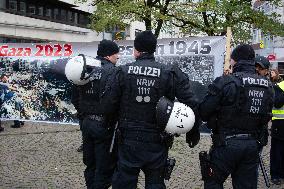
[{"x": 228, "y": 49}]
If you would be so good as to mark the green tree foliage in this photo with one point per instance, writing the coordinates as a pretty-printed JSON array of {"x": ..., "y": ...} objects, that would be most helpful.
[
  {"x": 212, "y": 17},
  {"x": 193, "y": 17},
  {"x": 110, "y": 13}
]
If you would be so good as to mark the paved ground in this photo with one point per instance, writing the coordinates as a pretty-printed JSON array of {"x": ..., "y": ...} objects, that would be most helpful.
[{"x": 44, "y": 156}]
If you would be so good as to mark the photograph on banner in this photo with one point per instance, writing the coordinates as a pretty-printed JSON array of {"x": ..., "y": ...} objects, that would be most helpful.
[
  {"x": 33, "y": 85},
  {"x": 35, "y": 89}
]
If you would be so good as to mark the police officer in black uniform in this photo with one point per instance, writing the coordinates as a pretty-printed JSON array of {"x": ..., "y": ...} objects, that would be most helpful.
[
  {"x": 75, "y": 99},
  {"x": 136, "y": 90},
  {"x": 97, "y": 126},
  {"x": 262, "y": 65},
  {"x": 241, "y": 103}
]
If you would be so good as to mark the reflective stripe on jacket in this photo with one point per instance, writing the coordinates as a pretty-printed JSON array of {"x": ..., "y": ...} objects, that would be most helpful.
[{"x": 278, "y": 113}]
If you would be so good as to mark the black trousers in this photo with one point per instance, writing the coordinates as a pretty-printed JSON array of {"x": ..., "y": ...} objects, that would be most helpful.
[
  {"x": 81, "y": 128},
  {"x": 100, "y": 163},
  {"x": 81, "y": 124},
  {"x": 134, "y": 156},
  {"x": 239, "y": 157},
  {"x": 277, "y": 158}
]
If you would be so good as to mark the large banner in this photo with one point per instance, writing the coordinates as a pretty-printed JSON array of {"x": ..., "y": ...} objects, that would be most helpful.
[{"x": 33, "y": 85}]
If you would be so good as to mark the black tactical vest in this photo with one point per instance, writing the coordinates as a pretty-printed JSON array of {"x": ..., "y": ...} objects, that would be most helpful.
[
  {"x": 252, "y": 107},
  {"x": 145, "y": 82},
  {"x": 90, "y": 94}
]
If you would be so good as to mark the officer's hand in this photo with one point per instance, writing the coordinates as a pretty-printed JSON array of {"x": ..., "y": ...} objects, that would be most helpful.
[{"x": 192, "y": 137}]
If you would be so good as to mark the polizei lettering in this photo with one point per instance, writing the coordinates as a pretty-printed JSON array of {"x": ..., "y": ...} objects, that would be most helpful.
[
  {"x": 253, "y": 81},
  {"x": 147, "y": 71}
]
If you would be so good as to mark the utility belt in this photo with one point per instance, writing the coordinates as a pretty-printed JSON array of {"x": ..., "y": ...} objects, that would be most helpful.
[
  {"x": 240, "y": 136},
  {"x": 95, "y": 117},
  {"x": 142, "y": 136},
  {"x": 221, "y": 139},
  {"x": 146, "y": 137}
]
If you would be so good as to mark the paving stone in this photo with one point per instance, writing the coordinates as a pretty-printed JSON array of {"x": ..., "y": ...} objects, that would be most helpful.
[{"x": 44, "y": 156}]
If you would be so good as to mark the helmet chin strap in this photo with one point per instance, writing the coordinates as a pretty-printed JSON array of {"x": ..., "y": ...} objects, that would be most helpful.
[{"x": 84, "y": 71}]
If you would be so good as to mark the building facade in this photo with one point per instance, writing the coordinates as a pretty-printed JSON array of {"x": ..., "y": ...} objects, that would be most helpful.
[
  {"x": 49, "y": 20},
  {"x": 265, "y": 44},
  {"x": 52, "y": 20}
]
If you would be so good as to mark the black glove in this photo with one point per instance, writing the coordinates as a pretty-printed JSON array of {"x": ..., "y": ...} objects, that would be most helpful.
[
  {"x": 167, "y": 139},
  {"x": 193, "y": 137}
]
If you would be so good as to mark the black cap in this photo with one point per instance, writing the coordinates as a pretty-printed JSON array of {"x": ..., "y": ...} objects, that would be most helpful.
[
  {"x": 262, "y": 61},
  {"x": 107, "y": 48},
  {"x": 145, "y": 41},
  {"x": 243, "y": 52}
]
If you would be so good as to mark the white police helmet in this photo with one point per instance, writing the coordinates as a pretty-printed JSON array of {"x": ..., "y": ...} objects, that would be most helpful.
[
  {"x": 174, "y": 118},
  {"x": 76, "y": 68}
]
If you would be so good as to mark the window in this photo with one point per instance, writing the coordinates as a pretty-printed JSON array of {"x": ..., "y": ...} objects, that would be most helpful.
[
  {"x": 56, "y": 15},
  {"x": 32, "y": 9},
  {"x": 70, "y": 17},
  {"x": 281, "y": 68},
  {"x": 266, "y": 7},
  {"x": 40, "y": 10},
  {"x": 268, "y": 41},
  {"x": 82, "y": 19},
  {"x": 23, "y": 7},
  {"x": 13, "y": 5},
  {"x": 76, "y": 18},
  {"x": 3, "y": 4},
  {"x": 2, "y": 40},
  {"x": 63, "y": 15},
  {"x": 11, "y": 40},
  {"x": 48, "y": 12},
  {"x": 18, "y": 40}
]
